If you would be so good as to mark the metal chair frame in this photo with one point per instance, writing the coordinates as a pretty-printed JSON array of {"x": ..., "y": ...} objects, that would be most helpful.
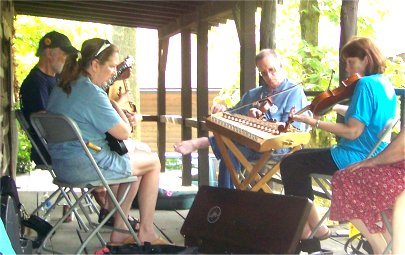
[
  {"x": 57, "y": 128},
  {"x": 62, "y": 192}
]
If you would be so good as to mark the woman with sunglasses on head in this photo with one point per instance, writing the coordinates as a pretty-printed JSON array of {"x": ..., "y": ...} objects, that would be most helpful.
[
  {"x": 372, "y": 104},
  {"x": 80, "y": 96}
]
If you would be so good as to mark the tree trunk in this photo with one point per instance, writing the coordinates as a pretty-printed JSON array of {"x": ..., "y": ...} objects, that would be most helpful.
[
  {"x": 268, "y": 25},
  {"x": 348, "y": 28},
  {"x": 309, "y": 20}
]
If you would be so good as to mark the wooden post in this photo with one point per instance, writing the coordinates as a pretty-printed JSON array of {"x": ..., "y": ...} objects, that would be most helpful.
[
  {"x": 247, "y": 46},
  {"x": 202, "y": 98},
  {"x": 186, "y": 100},
  {"x": 161, "y": 126}
]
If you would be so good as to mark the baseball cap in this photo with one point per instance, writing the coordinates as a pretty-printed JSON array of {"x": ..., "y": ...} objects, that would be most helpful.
[{"x": 55, "y": 40}]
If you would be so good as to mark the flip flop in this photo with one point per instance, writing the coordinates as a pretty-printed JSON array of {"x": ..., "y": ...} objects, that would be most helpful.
[
  {"x": 128, "y": 240},
  {"x": 160, "y": 241}
]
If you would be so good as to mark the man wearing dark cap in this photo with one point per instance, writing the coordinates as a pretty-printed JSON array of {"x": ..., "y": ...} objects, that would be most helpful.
[{"x": 52, "y": 51}]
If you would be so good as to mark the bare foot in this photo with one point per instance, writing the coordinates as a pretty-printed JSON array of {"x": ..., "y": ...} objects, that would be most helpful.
[{"x": 185, "y": 147}]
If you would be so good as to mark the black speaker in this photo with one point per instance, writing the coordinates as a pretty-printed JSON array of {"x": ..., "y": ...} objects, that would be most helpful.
[{"x": 234, "y": 221}]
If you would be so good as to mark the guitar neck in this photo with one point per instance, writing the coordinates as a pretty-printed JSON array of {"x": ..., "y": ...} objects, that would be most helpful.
[
  {"x": 127, "y": 64},
  {"x": 114, "y": 78}
]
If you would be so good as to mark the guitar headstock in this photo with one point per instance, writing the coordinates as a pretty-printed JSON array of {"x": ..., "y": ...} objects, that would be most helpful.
[{"x": 128, "y": 62}]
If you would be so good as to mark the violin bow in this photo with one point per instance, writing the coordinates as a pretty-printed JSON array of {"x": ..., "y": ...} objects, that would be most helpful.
[{"x": 262, "y": 99}]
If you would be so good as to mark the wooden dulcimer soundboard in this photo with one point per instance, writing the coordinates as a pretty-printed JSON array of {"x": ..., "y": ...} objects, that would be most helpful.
[
  {"x": 260, "y": 136},
  {"x": 256, "y": 134}
]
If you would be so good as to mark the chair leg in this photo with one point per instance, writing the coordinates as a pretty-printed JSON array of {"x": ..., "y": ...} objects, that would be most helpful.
[
  {"x": 390, "y": 231},
  {"x": 46, "y": 201},
  {"x": 58, "y": 224},
  {"x": 80, "y": 221},
  {"x": 117, "y": 207},
  {"x": 86, "y": 215}
]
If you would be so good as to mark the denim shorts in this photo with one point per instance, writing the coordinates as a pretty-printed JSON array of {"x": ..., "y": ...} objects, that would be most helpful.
[{"x": 79, "y": 168}]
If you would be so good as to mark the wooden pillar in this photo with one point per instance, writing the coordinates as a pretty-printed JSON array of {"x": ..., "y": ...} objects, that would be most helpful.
[
  {"x": 186, "y": 100},
  {"x": 247, "y": 46},
  {"x": 202, "y": 98},
  {"x": 8, "y": 126},
  {"x": 161, "y": 106}
]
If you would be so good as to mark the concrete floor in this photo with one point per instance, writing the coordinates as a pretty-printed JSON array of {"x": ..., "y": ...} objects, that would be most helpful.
[{"x": 33, "y": 187}]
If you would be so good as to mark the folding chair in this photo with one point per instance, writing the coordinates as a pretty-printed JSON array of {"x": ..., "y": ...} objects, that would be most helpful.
[
  {"x": 57, "y": 128},
  {"x": 269, "y": 173},
  {"x": 61, "y": 192},
  {"x": 324, "y": 181}
]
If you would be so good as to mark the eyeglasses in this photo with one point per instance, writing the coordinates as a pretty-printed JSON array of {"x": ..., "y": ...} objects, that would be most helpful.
[
  {"x": 105, "y": 45},
  {"x": 271, "y": 71}
]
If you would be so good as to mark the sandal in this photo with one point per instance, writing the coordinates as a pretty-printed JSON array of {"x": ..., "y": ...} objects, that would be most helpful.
[
  {"x": 160, "y": 241},
  {"x": 127, "y": 241}
]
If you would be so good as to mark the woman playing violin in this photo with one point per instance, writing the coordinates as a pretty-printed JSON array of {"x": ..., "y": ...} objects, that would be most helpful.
[{"x": 372, "y": 104}]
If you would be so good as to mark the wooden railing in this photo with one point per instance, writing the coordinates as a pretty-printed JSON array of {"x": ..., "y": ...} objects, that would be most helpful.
[{"x": 194, "y": 123}]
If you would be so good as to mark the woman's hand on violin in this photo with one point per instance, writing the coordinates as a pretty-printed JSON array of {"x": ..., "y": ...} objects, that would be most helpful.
[
  {"x": 254, "y": 113},
  {"x": 301, "y": 117}
]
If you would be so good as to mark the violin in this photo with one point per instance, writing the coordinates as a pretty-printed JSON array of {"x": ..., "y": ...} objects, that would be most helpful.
[
  {"x": 324, "y": 102},
  {"x": 264, "y": 105}
]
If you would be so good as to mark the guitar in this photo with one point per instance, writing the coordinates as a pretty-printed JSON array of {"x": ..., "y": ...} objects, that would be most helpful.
[
  {"x": 115, "y": 144},
  {"x": 128, "y": 62}
]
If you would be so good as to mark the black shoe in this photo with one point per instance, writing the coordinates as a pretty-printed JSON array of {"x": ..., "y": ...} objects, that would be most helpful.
[
  {"x": 101, "y": 216},
  {"x": 103, "y": 213}
]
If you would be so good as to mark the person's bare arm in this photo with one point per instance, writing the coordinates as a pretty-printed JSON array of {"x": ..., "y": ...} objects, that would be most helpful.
[
  {"x": 123, "y": 129},
  {"x": 394, "y": 152},
  {"x": 351, "y": 130}
]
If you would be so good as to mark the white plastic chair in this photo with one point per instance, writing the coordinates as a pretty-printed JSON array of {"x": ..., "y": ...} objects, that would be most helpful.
[{"x": 57, "y": 128}]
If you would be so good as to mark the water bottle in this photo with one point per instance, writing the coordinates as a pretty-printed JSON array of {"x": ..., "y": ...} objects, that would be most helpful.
[
  {"x": 48, "y": 203},
  {"x": 45, "y": 207}
]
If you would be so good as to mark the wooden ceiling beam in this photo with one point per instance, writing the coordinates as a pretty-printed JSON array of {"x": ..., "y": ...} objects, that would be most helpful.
[{"x": 205, "y": 12}]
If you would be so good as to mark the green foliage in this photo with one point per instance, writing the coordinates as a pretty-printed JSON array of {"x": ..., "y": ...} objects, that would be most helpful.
[
  {"x": 331, "y": 10},
  {"x": 24, "y": 163},
  {"x": 228, "y": 96},
  {"x": 29, "y": 30},
  {"x": 396, "y": 71},
  {"x": 314, "y": 64},
  {"x": 173, "y": 163}
]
